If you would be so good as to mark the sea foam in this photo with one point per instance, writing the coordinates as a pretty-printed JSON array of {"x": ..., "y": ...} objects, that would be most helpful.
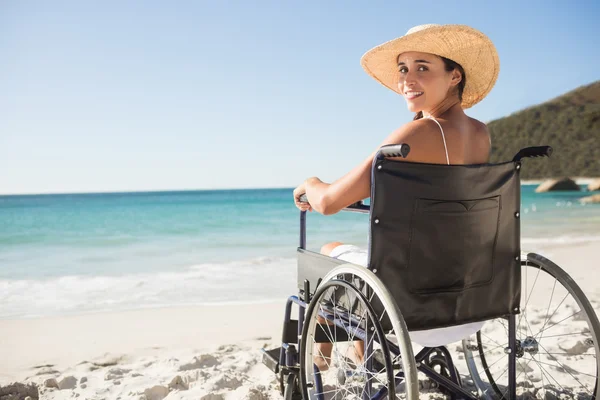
[{"x": 254, "y": 280}]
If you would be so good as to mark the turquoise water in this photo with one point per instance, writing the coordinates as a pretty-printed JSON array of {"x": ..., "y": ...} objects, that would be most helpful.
[{"x": 76, "y": 253}]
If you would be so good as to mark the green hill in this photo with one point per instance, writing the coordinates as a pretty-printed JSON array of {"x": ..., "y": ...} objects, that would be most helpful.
[{"x": 569, "y": 123}]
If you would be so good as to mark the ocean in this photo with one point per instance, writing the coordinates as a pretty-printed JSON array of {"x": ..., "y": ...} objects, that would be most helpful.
[{"x": 82, "y": 253}]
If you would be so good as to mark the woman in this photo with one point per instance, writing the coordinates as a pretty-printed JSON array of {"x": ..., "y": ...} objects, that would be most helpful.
[{"x": 440, "y": 71}]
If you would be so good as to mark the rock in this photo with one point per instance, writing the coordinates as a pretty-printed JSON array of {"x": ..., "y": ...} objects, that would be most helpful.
[
  {"x": 205, "y": 360},
  {"x": 83, "y": 386},
  {"x": 521, "y": 367},
  {"x": 68, "y": 382},
  {"x": 108, "y": 360},
  {"x": 525, "y": 395},
  {"x": 46, "y": 371},
  {"x": 178, "y": 384},
  {"x": 257, "y": 393},
  {"x": 226, "y": 382},
  {"x": 212, "y": 396},
  {"x": 51, "y": 383},
  {"x": 594, "y": 185},
  {"x": 557, "y": 184},
  {"x": 546, "y": 394},
  {"x": 226, "y": 348},
  {"x": 43, "y": 366},
  {"x": 83, "y": 379},
  {"x": 115, "y": 373},
  {"x": 19, "y": 390},
  {"x": 157, "y": 392},
  {"x": 595, "y": 198},
  {"x": 575, "y": 349},
  {"x": 525, "y": 384}
]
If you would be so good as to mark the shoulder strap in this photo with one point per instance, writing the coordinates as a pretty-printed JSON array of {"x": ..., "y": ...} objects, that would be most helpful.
[{"x": 443, "y": 138}]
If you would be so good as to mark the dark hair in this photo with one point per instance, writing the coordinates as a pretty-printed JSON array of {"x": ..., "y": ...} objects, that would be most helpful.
[{"x": 451, "y": 66}]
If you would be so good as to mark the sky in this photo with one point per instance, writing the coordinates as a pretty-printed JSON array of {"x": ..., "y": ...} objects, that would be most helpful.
[{"x": 110, "y": 95}]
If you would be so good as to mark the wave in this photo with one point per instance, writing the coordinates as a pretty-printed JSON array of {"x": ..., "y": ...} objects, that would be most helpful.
[
  {"x": 565, "y": 239},
  {"x": 253, "y": 280}
]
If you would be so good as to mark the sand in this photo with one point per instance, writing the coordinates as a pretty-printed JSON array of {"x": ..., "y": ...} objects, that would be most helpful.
[{"x": 203, "y": 352}]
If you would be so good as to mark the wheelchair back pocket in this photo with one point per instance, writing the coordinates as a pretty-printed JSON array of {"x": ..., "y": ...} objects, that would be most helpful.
[{"x": 452, "y": 244}]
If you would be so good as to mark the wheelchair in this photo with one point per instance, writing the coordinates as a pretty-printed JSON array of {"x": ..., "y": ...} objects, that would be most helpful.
[{"x": 444, "y": 266}]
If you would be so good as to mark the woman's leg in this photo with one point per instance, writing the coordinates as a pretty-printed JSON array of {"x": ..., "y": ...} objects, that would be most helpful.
[
  {"x": 322, "y": 351},
  {"x": 356, "y": 352},
  {"x": 328, "y": 248}
]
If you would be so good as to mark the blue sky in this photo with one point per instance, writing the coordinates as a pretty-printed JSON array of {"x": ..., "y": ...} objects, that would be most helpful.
[{"x": 149, "y": 95}]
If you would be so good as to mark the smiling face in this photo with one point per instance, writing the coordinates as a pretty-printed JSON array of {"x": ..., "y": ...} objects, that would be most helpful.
[{"x": 424, "y": 81}]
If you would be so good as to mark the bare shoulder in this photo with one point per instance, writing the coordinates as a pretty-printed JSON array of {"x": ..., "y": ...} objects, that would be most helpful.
[
  {"x": 423, "y": 137},
  {"x": 482, "y": 139},
  {"x": 414, "y": 130},
  {"x": 480, "y": 128}
]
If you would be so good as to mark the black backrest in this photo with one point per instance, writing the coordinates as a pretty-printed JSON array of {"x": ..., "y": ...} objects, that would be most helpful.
[{"x": 445, "y": 240}]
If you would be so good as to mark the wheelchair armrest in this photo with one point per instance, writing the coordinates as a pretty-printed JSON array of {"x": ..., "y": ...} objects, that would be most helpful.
[
  {"x": 359, "y": 206},
  {"x": 313, "y": 266}
]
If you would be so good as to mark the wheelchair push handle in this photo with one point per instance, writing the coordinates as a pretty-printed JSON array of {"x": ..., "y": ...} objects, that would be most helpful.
[
  {"x": 530, "y": 152},
  {"x": 393, "y": 150}
]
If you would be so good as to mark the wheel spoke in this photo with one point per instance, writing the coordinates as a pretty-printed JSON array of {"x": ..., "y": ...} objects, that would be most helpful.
[
  {"x": 549, "y": 303},
  {"x": 347, "y": 375},
  {"x": 490, "y": 350},
  {"x": 545, "y": 372},
  {"x": 529, "y": 296},
  {"x": 492, "y": 339},
  {"x": 562, "y": 320},
  {"x": 550, "y": 317},
  {"x": 567, "y": 334},
  {"x": 321, "y": 354},
  {"x": 565, "y": 359},
  {"x": 565, "y": 368}
]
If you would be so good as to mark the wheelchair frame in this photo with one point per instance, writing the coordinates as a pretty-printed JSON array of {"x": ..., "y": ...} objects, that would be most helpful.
[{"x": 287, "y": 362}]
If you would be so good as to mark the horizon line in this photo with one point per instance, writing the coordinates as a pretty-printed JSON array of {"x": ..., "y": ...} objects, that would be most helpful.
[
  {"x": 580, "y": 180},
  {"x": 143, "y": 191}
]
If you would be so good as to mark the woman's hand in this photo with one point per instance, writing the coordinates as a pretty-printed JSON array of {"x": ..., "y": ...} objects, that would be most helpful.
[{"x": 299, "y": 191}]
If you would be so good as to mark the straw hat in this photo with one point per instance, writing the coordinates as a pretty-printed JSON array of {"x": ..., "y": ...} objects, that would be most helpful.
[{"x": 474, "y": 51}]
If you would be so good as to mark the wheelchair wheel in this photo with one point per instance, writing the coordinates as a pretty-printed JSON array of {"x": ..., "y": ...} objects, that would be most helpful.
[
  {"x": 292, "y": 390},
  {"x": 557, "y": 340},
  {"x": 343, "y": 335}
]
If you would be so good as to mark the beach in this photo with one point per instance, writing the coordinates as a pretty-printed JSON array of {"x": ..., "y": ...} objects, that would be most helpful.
[
  {"x": 174, "y": 294},
  {"x": 151, "y": 156},
  {"x": 198, "y": 352},
  {"x": 213, "y": 349}
]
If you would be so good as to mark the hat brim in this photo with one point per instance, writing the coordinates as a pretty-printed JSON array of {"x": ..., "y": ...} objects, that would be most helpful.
[{"x": 474, "y": 51}]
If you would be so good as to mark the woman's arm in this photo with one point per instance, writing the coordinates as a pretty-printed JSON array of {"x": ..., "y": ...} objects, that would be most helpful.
[{"x": 356, "y": 185}]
